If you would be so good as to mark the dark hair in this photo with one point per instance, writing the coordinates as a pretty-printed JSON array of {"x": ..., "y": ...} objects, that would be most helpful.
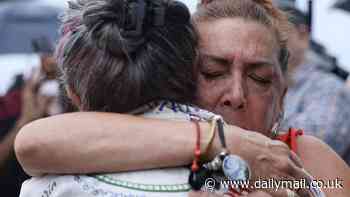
[
  {"x": 119, "y": 54},
  {"x": 260, "y": 11}
]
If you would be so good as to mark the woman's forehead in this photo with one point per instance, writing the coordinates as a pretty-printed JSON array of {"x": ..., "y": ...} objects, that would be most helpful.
[{"x": 238, "y": 38}]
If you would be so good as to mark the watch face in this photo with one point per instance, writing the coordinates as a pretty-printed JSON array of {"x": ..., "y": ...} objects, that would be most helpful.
[{"x": 235, "y": 168}]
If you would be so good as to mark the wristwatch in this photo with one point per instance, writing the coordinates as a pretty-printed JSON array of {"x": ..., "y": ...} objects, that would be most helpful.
[
  {"x": 231, "y": 168},
  {"x": 236, "y": 169}
]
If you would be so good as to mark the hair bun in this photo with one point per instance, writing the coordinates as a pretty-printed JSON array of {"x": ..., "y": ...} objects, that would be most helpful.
[
  {"x": 107, "y": 21},
  {"x": 104, "y": 11},
  {"x": 120, "y": 25}
]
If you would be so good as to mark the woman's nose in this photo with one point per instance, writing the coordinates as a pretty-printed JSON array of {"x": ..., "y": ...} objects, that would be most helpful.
[{"x": 235, "y": 96}]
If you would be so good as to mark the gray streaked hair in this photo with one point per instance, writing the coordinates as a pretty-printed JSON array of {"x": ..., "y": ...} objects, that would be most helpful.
[{"x": 98, "y": 65}]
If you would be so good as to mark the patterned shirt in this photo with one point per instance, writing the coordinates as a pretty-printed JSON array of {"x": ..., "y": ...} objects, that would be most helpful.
[{"x": 319, "y": 103}]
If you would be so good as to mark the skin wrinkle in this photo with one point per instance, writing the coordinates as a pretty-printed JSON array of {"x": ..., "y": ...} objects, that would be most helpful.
[{"x": 234, "y": 94}]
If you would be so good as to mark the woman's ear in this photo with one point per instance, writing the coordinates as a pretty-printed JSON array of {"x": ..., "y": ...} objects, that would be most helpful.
[{"x": 73, "y": 97}]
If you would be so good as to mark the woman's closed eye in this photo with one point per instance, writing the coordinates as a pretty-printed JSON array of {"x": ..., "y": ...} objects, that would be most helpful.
[
  {"x": 259, "y": 79},
  {"x": 211, "y": 75}
]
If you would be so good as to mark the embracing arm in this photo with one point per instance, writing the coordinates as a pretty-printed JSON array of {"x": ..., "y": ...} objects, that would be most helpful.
[
  {"x": 103, "y": 142},
  {"x": 324, "y": 164}
]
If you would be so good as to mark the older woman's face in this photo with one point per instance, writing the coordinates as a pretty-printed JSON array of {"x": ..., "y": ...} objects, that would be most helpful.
[{"x": 240, "y": 77}]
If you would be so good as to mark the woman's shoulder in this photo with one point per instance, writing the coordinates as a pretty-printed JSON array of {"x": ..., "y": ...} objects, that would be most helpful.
[
  {"x": 302, "y": 143},
  {"x": 317, "y": 157},
  {"x": 310, "y": 147},
  {"x": 309, "y": 141},
  {"x": 323, "y": 163}
]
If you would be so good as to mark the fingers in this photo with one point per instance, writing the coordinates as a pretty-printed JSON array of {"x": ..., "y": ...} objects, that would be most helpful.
[
  {"x": 301, "y": 174},
  {"x": 292, "y": 165},
  {"x": 296, "y": 173},
  {"x": 296, "y": 159},
  {"x": 272, "y": 159},
  {"x": 296, "y": 181},
  {"x": 289, "y": 169}
]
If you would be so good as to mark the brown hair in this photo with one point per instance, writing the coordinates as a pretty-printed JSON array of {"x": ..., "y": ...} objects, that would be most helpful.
[
  {"x": 260, "y": 11},
  {"x": 117, "y": 55}
]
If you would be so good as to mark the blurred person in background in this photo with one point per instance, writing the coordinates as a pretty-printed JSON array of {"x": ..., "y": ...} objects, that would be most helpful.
[
  {"x": 317, "y": 99},
  {"x": 26, "y": 101}
]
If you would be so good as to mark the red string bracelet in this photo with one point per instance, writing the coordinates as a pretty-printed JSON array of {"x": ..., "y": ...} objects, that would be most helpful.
[{"x": 197, "y": 150}]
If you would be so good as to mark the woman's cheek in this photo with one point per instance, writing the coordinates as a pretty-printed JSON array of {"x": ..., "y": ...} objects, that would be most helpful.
[
  {"x": 256, "y": 88},
  {"x": 209, "y": 93},
  {"x": 269, "y": 103},
  {"x": 261, "y": 103}
]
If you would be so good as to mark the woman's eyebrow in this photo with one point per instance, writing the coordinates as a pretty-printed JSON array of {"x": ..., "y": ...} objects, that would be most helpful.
[
  {"x": 215, "y": 59},
  {"x": 258, "y": 63}
]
